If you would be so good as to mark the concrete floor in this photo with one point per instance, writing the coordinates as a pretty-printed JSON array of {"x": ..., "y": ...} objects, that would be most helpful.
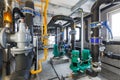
[{"x": 62, "y": 70}]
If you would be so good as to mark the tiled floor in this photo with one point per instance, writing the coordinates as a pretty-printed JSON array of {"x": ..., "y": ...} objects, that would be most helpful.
[{"x": 62, "y": 70}]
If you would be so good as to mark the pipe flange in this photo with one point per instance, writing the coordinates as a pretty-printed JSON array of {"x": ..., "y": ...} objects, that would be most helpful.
[
  {"x": 15, "y": 50},
  {"x": 96, "y": 66},
  {"x": 28, "y": 10},
  {"x": 95, "y": 40},
  {"x": 3, "y": 38},
  {"x": 95, "y": 24}
]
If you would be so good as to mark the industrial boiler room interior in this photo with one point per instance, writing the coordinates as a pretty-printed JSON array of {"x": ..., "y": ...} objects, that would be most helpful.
[{"x": 59, "y": 39}]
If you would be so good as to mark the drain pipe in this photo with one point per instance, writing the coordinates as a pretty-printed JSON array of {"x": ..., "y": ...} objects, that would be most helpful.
[{"x": 95, "y": 38}]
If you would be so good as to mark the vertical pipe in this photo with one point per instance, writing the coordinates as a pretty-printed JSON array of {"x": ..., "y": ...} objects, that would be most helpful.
[
  {"x": 1, "y": 25},
  {"x": 73, "y": 38},
  {"x": 82, "y": 31},
  {"x": 56, "y": 29},
  {"x": 1, "y": 63},
  {"x": 29, "y": 17}
]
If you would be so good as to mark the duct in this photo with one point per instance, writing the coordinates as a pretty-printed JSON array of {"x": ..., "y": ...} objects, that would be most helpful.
[
  {"x": 95, "y": 31},
  {"x": 70, "y": 20}
]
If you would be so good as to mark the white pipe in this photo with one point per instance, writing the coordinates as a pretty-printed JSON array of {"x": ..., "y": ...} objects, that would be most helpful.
[{"x": 82, "y": 31}]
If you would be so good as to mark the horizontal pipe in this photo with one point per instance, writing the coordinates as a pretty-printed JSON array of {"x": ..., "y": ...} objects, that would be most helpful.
[
  {"x": 69, "y": 20},
  {"x": 111, "y": 42},
  {"x": 61, "y": 17},
  {"x": 112, "y": 55}
]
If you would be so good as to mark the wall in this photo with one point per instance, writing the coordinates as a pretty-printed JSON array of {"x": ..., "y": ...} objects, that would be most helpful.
[{"x": 113, "y": 48}]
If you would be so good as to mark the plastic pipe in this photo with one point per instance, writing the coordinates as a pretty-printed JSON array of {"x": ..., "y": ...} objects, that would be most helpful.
[{"x": 45, "y": 42}]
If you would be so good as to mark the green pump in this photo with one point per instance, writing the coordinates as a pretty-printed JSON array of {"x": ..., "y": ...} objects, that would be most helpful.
[
  {"x": 80, "y": 65},
  {"x": 81, "y": 61},
  {"x": 57, "y": 52}
]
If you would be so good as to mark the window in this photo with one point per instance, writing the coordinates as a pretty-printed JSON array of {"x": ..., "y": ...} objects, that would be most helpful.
[
  {"x": 114, "y": 19},
  {"x": 51, "y": 40},
  {"x": 77, "y": 36}
]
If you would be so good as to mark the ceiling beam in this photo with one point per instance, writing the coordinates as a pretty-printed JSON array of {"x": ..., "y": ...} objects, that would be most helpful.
[{"x": 78, "y": 5}]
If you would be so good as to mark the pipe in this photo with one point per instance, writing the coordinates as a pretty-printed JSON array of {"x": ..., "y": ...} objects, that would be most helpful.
[
  {"x": 95, "y": 18},
  {"x": 29, "y": 17},
  {"x": 45, "y": 41},
  {"x": 82, "y": 31},
  {"x": 1, "y": 12},
  {"x": 111, "y": 42},
  {"x": 1, "y": 62},
  {"x": 21, "y": 2},
  {"x": 65, "y": 18},
  {"x": 112, "y": 56},
  {"x": 23, "y": 65},
  {"x": 95, "y": 31}
]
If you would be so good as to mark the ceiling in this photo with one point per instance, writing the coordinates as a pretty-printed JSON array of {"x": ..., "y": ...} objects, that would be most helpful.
[
  {"x": 64, "y": 3},
  {"x": 66, "y": 7}
]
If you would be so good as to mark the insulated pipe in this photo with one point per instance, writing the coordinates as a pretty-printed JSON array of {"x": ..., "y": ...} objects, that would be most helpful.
[
  {"x": 70, "y": 20},
  {"x": 29, "y": 17},
  {"x": 95, "y": 31},
  {"x": 112, "y": 55},
  {"x": 1, "y": 62},
  {"x": 1, "y": 25},
  {"x": 22, "y": 2}
]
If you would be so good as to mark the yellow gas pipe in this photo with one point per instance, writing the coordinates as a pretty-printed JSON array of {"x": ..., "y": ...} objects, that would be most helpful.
[{"x": 45, "y": 41}]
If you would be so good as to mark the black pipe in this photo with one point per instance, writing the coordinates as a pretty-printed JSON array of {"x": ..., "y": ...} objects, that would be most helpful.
[
  {"x": 110, "y": 65},
  {"x": 1, "y": 62},
  {"x": 112, "y": 55},
  {"x": 111, "y": 42},
  {"x": 22, "y": 68},
  {"x": 1, "y": 13},
  {"x": 29, "y": 17},
  {"x": 1, "y": 25},
  {"x": 95, "y": 18},
  {"x": 65, "y": 18}
]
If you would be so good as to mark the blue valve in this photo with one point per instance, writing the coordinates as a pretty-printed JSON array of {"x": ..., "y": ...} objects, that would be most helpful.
[{"x": 105, "y": 24}]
